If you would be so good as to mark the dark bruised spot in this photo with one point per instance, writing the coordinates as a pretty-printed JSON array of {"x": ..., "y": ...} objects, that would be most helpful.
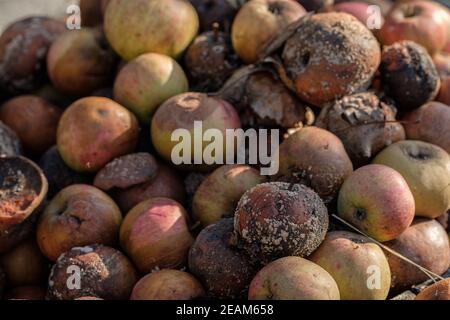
[
  {"x": 306, "y": 57},
  {"x": 421, "y": 154},
  {"x": 102, "y": 112},
  {"x": 360, "y": 214},
  {"x": 275, "y": 8}
]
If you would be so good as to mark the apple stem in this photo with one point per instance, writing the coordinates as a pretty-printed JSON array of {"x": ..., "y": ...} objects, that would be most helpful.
[{"x": 429, "y": 273}]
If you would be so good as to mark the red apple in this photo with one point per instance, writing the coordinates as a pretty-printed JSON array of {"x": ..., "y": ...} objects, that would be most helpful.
[
  {"x": 442, "y": 63},
  {"x": 430, "y": 123},
  {"x": 424, "y": 22},
  {"x": 155, "y": 234},
  {"x": 380, "y": 209}
]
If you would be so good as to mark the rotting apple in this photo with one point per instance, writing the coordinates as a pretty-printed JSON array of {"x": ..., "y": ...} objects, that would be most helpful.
[
  {"x": 167, "y": 284},
  {"x": 155, "y": 234},
  {"x": 409, "y": 75},
  {"x": 425, "y": 168},
  {"x": 263, "y": 101},
  {"x": 34, "y": 120},
  {"x": 136, "y": 177},
  {"x": 327, "y": 56},
  {"x": 103, "y": 272},
  {"x": 382, "y": 210},
  {"x": 93, "y": 131},
  {"x": 426, "y": 243},
  {"x": 219, "y": 193},
  {"x": 183, "y": 112},
  {"x": 316, "y": 158},
  {"x": 365, "y": 124},
  {"x": 352, "y": 260},
  {"x": 293, "y": 278},
  {"x": 25, "y": 265},
  {"x": 210, "y": 60},
  {"x": 144, "y": 83},
  {"x": 23, "y": 50},
  {"x": 224, "y": 270},
  {"x": 429, "y": 123},
  {"x": 79, "y": 215},
  {"x": 23, "y": 190},
  {"x": 141, "y": 26},
  {"x": 278, "y": 219},
  {"x": 424, "y": 22},
  {"x": 80, "y": 62},
  {"x": 272, "y": 16}
]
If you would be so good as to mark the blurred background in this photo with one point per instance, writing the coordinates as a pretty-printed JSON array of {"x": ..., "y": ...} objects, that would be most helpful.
[{"x": 12, "y": 10}]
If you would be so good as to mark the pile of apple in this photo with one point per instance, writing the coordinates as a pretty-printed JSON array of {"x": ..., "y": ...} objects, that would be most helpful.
[{"x": 92, "y": 207}]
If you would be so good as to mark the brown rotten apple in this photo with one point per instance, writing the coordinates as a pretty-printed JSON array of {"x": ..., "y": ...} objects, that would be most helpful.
[
  {"x": 80, "y": 62},
  {"x": 23, "y": 190},
  {"x": 224, "y": 270},
  {"x": 155, "y": 234},
  {"x": 365, "y": 124},
  {"x": 352, "y": 260},
  {"x": 328, "y": 56},
  {"x": 210, "y": 60},
  {"x": 278, "y": 219},
  {"x": 426, "y": 243},
  {"x": 23, "y": 50},
  {"x": 430, "y": 123},
  {"x": 316, "y": 158},
  {"x": 167, "y": 284},
  {"x": 258, "y": 21},
  {"x": 293, "y": 278},
  {"x": 34, "y": 120},
  {"x": 144, "y": 83},
  {"x": 25, "y": 265},
  {"x": 136, "y": 177},
  {"x": 141, "y": 26},
  {"x": 424, "y": 22},
  {"x": 93, "y": 131},
  {"x": 380, "y": 209},
  {"x": 219, "y": 193},
  {"x": 181, "y": 112},
  {"x": 409, "y": 75},
  {"x": 79, "y": 215},
  {"x": 263, "y": 100},
  {"x": 425, "y": 168},
  {"x": 94, "y": 270}
]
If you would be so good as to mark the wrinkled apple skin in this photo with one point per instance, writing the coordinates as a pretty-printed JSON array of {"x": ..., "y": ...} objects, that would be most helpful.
[
  {"x": 141, "y": 26},
  {"x": 426, "y": 169},
  {"x": 348, "y": 258}
]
